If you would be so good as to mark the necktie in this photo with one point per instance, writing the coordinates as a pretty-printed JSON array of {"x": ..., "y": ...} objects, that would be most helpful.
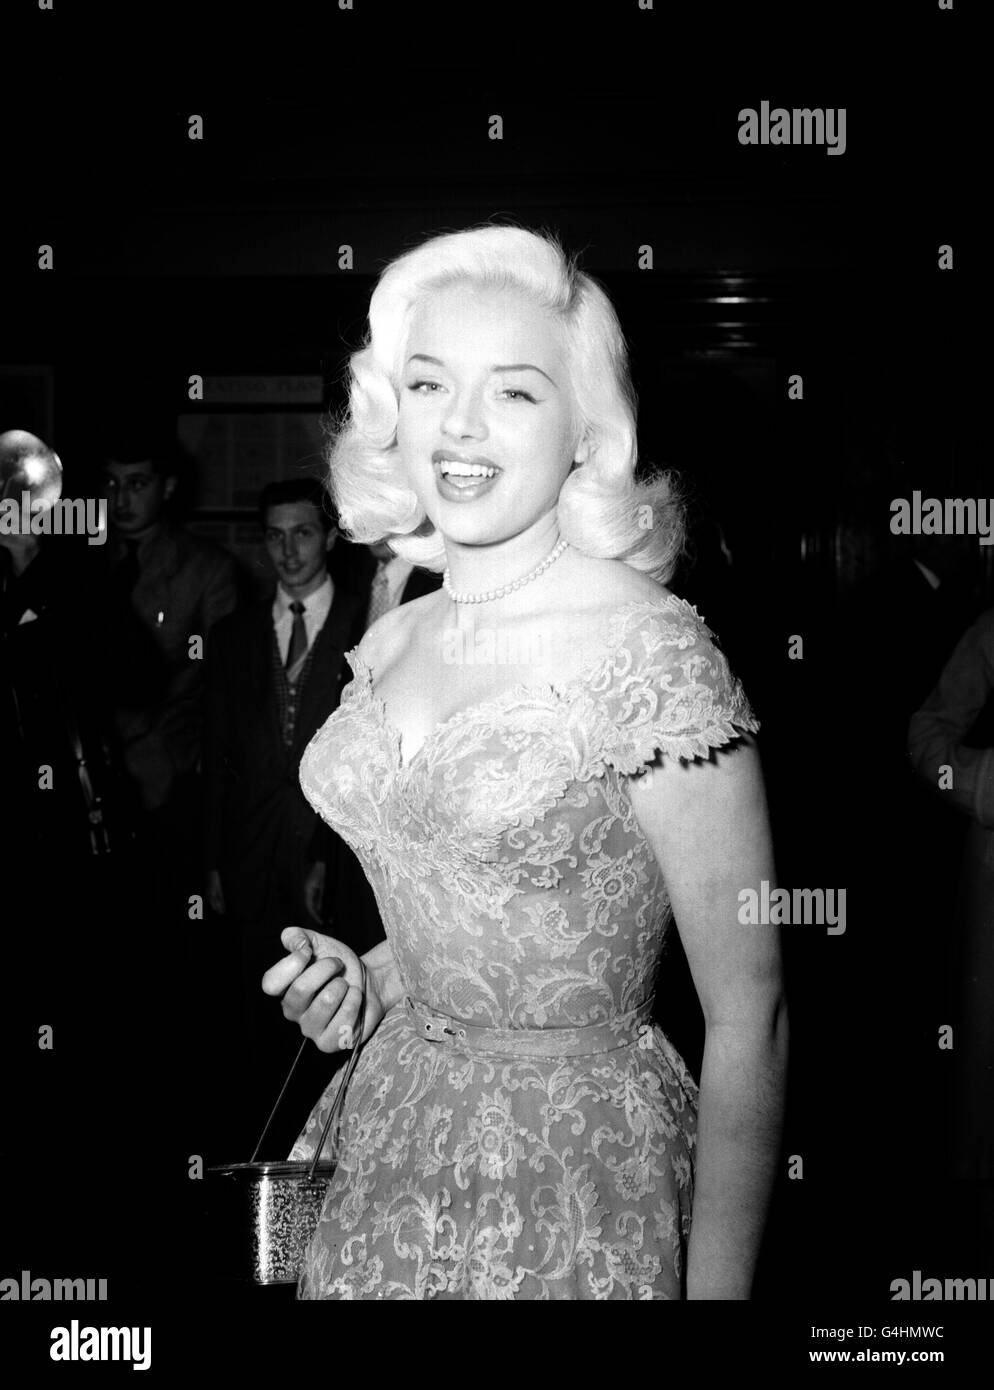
[
  {"x": 125, "y": 575},
  {"x": 298, "y": 641},
  {"x": 379, "y": 600}
]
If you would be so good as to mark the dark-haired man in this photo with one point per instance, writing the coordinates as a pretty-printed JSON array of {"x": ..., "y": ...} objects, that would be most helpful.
[
  {"x": 179, "y": 586},
  {"x": 275, "y": 671},
  {"x": 274, "y": 675}
]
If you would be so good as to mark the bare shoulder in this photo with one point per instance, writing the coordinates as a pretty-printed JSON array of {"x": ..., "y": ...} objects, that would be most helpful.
[
  {"x": 598, "y": 588},
  {"x": 392, "y": 634}
]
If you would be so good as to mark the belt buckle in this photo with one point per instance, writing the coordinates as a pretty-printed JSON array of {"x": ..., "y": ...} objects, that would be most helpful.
[{"x": 435, "y": 1025}]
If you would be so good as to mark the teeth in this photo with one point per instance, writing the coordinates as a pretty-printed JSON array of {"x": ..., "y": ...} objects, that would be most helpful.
[{"x": 466, "y": 470}]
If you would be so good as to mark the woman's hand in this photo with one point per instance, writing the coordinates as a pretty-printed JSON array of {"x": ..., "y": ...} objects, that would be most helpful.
[{"x": 321, "y": 984}]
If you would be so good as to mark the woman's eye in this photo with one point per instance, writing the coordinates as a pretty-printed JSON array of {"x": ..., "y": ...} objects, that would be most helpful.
[
  {"x": 417, "y": 385},
  {"x": 518, "y": 394}
]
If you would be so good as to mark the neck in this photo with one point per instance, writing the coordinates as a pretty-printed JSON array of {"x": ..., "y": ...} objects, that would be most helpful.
[
  {"x": 310, "y": 588},
  {"x": 478, "y": 568},
  {"x": 141, "y": 536}
]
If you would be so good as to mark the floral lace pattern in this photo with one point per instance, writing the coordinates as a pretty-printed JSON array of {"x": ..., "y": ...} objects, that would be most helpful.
[{"x": 518, "y": 892}]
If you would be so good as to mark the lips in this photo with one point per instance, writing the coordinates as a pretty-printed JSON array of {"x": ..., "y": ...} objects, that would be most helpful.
[
  {"x": 469, "y": 467},
  {"x": 463, "y": 477}
]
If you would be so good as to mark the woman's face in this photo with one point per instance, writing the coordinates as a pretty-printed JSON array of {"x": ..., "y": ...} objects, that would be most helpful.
[{"x": 486, "y": 427}]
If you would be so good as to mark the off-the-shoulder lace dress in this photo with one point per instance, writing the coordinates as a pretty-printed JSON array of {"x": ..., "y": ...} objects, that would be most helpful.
[{"x": 518, "y": 1127}]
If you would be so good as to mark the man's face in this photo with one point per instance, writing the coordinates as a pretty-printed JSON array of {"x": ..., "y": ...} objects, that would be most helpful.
[
  {"x": 298, "y": 546},
  {"x": 136, "y": 494}
]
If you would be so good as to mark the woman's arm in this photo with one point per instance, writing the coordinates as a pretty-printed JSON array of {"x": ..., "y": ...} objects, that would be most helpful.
[
  {"x": 708, "y": 825},
  {"x": 386, "y": 977}
]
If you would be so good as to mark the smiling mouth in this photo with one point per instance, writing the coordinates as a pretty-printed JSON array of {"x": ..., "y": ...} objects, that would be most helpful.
[{"x": 463, "y": 474}]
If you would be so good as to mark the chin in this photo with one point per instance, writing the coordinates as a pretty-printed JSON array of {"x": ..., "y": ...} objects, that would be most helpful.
[{"x": 473, "y": 535}]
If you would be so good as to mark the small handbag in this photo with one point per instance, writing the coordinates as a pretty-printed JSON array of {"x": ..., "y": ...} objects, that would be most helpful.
[{"x": 279, "y": 1204}]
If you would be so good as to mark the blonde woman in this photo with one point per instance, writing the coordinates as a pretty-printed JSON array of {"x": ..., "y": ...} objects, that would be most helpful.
[{"x": 541, "y": 766}]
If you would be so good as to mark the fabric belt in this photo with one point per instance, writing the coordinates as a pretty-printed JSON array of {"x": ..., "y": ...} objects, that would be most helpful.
[{"x": 620, "y": 1031}]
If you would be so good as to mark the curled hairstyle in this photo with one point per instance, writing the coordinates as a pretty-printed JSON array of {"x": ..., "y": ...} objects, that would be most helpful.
[{"x": 602, "y": 511}]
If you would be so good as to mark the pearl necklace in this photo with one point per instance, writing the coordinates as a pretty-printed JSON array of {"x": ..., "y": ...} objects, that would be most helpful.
[{"x": 491, "y": 594}]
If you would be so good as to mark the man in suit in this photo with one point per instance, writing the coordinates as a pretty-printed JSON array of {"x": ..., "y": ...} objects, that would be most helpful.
[
  {"x": 178, "y": 585},
  {"x": 175, "y": 586},
  {"x": 275, "y": 673}
]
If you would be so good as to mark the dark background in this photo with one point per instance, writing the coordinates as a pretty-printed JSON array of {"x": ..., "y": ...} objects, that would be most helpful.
[{"x": 174, "y": 257}]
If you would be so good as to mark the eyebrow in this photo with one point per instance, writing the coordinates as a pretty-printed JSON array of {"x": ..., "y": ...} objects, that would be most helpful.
[{"x": 513, "y": 367}]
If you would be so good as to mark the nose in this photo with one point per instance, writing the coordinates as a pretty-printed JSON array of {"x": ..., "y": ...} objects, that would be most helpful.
[{"x": 464, "y": 419}]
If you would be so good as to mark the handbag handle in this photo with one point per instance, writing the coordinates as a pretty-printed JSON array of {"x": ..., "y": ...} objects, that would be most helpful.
[{"x": 339, "y": 1095}]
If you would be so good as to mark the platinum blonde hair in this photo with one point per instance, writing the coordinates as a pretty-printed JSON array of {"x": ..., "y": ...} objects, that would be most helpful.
[{"x": 602, "y": 510}]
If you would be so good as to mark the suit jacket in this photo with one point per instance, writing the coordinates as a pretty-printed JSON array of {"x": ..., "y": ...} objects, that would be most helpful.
[
  {"x": 70, "y": 649},
  {"x": 953, "y": 729},
  {"x": 357, "y": 565},
  {"x": 257, "y": 822},
  {"x": 185, "y": 585},
  {"x": 902, "y": 631}
]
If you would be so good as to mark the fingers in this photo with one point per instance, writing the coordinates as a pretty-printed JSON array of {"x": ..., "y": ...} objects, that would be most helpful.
[
  {"x": 341, "y": 1030},
  {"x": 333, "y": 1005},
  {"x": 326, "y": 1020},
  {"x": 321, "y": 984},
  {"x": 303, "y": 938},
  {"x": 279, "y": 977},
  {"x": 303, "y": 946},
  {"x": 317, "y": 980},
  {"x": 296, "y": 939}
]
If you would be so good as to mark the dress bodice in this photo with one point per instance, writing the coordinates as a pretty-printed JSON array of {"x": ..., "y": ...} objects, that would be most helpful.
[{"x": 515, "y": 885}]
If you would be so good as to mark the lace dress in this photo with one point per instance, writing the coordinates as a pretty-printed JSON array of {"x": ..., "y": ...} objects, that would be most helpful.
[{"x": 518, "y": 1128}]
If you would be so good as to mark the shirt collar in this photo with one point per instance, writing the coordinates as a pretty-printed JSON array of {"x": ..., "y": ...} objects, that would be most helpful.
[{"x": 316, "y": 605}]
